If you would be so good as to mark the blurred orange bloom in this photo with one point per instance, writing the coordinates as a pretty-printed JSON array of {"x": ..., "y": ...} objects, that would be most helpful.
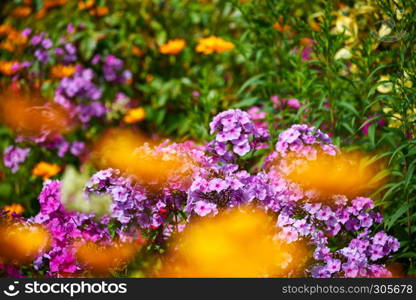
[
  {"x": 105, "y": 259},
  {"x": 48, "y": 4},
  {"x": 351, "y": 173},
  {"x": 9, "y": 67},
  {"x": 16, "y": 208},
  {"x": 136, "y": 51},
  {"x": 82, "y": 5},
  {"x": 46, "y": 170},
  {"x": 30, "y": 115},
  {"x": 280, "y": 27},
  {"x": 21, "y": 11},
  {"x": 135, "y": 115},
  {"x": 213, "y": 44},
  {"x": 61, "y": 71},
  {"x": 5, "y": 29},
  {"x": 131, "y": 153},
  {"x": 237, "y": 243},
  {"x": 149, "y": 78},
  {"x": 99, "y": 11},
  {"x": 21, "y": 243},
  {"x": 306, "y": 42},
  {"x": 173, "y": 47}
]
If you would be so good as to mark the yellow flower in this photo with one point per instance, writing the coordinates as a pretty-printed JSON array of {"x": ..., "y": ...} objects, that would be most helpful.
[
  {"x": 173, "y": 47},
  {"x": 46, "y": 170},
  {"x": 343, "y": 53},
  {"x": 386, "y": 86},
  {"x": 347, "y": 25},
  {"x": 213, "y": 44},
  {"x": 134, "y": 115},
  {"x": 61, "y": 71},
  {"x": 16, "y": 208}
]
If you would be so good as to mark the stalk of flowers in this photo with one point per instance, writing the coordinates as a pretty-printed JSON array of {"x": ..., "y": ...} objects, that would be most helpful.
[
  {"x": 66, "y": 228},
  {"x": 236, "y": 134},
  {"x": 133, "y": 205},
  {"x": 320, "y": 223}
]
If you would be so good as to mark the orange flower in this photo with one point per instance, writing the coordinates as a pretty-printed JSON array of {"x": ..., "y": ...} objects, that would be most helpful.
[
  {"x": 61, "y": 71},
  {"x": 173, "y": 47},
  {"x": 280, "y": 27},
  {"x": 7, "y": 45},
  {"x": 149, "y": 78},
  {"x": 46, "y": 170},
  {"x": 47, "y": 4},
  {"x": 99, "y": 11},
  {"x": 314, "y": 25},
  {"x": 16, "y": 208},
  {"x": 306, "y": 42},
  {"x": 41, "y": 13},
  {"x": 134, "y": 115},
  {"x": 6, "y": 29},
  {"x": 103, "y": 259},
  {"x": 9, "y": 67},
  {"x": 82, "y": 5},
  {"x": 21, "y": 12},
  {"x": 213, "y": 44},
  {"x": 136, "y": 51},
  {"x": 22, "y": 243}
]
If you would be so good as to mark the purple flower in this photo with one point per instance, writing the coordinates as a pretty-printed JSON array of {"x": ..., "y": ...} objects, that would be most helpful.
[
  {"x": 333, "y": 265},
  {"x": 50, "y": 197},
  {"x": 36, "y": 39},
  {"x": 217, "y": 185},
  {"x": 324, "y": 213},
  {"x": 288, "y": 234},
  {"x": 41, "y": 55},
  {"x": 26, "y": 32},
  {"x": 203, "y": 208},
  {"x": 350, "y": 270},
  {"x": 361, "y": 203},
  {"x": 77, "y": 148},
  {"x": 242, "y": 149},
  {"x": 46, "y": 43},
  {"x": 376, "y": 252},
  {"x": 70, "y": 28},
  {"x": 293, "y": 103},
  {"x": 235, "y": 126},
  {"x": 320, "y": 272},
  {"x": 14, "y": 156}
]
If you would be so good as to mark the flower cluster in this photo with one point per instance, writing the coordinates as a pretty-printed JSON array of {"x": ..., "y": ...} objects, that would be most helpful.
[
  {"x": 207, "y": 183},
  {"x": 321, "y": 223},
  {"x": 300, "y": 139},
  {"x": 13, "y": 157},
  {"x": 236, "y": 134},
  {"x": 213, "y": 44},
  {"x": 65, "y": 228}
]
